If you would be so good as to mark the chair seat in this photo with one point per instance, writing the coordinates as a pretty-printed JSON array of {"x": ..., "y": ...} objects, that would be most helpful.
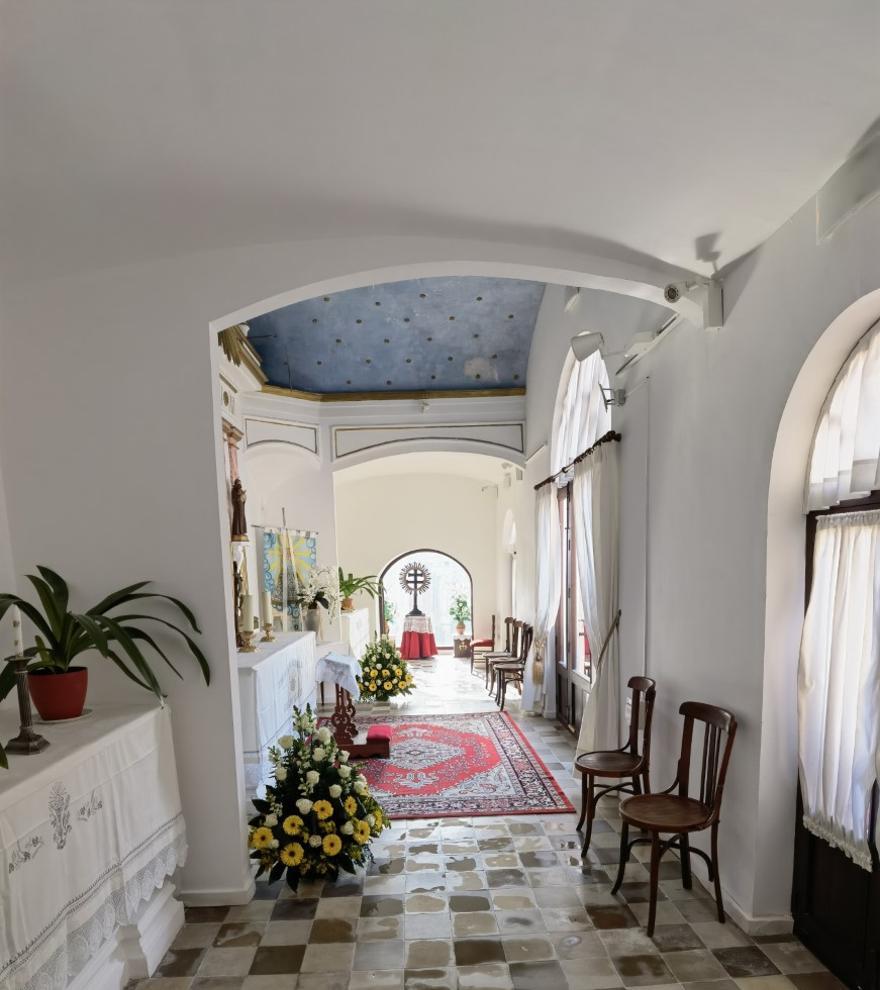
[
  {"x": 664, "y": 812},
  {"x": 608, "y": 763},
  {"x": 498, "y": 656}
]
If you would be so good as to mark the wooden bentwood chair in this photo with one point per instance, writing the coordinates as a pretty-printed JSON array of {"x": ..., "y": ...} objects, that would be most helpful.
[
  {"x": 625, "y": 765},
  {"x": 480, "y": 647},
  {"x": 512, "y": 629},
  {"x": 513, "y": 671},
  {"x": 680, "y": 814}
]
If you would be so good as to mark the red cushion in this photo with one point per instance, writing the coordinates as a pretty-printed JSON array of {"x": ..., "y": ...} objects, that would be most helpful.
[
  {"x": 376, "y": 732},
  {"x": 482, "y": 642}
]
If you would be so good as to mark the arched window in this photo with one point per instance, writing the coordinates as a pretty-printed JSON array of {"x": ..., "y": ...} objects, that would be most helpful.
[{"x": 581, "y": 416}]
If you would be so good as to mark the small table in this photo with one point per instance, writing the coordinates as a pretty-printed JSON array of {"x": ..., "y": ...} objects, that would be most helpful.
[
  {"x": 418, "y": 638},
  {"x": 342, "y": 671},
  {"x": 461, "y": 646}
]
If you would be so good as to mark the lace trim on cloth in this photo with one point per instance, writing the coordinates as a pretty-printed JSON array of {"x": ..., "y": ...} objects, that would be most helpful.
[
  {"x": 118, "y": 907},
  {"x": 858, "y": 852}
]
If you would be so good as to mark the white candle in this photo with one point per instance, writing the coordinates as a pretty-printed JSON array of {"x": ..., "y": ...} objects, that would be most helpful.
[
  {"x": 17, "y": 640},
  {"x": 267, "y": 613},
  {"x": 247, "y": 612}
]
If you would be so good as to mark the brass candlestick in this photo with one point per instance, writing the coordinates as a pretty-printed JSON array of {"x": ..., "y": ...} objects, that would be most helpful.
[
  {"x": 268, "y": 637},
  {"x": 247, "y": 647},
  {"x": 27, "y": 741}
]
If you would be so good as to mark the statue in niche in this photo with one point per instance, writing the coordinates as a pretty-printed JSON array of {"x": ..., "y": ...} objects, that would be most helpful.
[{"x": 239, "y": 521}]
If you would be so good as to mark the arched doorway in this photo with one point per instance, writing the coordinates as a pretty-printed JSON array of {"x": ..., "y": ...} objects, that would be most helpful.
[{"x": 449, "y": 577}]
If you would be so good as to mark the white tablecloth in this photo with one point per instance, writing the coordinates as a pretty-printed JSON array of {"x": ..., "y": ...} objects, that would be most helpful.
[
  {"x": 270, "y": 682},
  {"x": 335, "y": 668},
  {"x": 89, "y": 829}
]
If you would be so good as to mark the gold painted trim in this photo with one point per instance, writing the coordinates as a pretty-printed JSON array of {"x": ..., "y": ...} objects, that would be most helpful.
[
  {"x": 240, "y": 351},
  {"x": 463, "y": 393}
]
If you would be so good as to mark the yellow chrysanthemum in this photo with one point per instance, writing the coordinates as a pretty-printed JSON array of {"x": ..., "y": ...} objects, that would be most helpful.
[
  {"x": 261, "y": 838},
  {"x": 292, "y": 825},
  {"x": 380, "y": 818},
  {"x": 372, "y": 685},
  {"x": 332, "y": 845},
  {"x": 361, "y": 833},
  {"x": 323, "y": 809},
  {"x": 397, "y": 671},
  {"x": 350, "y": 805},
  {"x": 384, "y": 673},
  {"x": 291, "y": 854},
  {"x": 388, "y": 685}
]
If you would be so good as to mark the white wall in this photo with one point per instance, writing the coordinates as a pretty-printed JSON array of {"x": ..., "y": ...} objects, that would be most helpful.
[{"x": 380, "y": 518}]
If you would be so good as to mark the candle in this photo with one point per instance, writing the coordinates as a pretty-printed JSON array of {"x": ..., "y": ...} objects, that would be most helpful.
[
  {"x": 266, "y": 611},
  {"x": 246, "y": 609},
  {"x": 17, "y": 639}
]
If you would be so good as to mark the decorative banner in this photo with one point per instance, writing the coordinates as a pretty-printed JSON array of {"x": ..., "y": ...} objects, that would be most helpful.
[{"x": 288, "y": 556}]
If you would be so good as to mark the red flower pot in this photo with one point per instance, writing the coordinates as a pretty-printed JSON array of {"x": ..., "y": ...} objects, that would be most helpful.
[{"x": 59, "y": 695}]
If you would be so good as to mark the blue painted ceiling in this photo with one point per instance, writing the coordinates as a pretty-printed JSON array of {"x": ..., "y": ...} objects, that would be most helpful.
[{"x": 438, "y": 334}]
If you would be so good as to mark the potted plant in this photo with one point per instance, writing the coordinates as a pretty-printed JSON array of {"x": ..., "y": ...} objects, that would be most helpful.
[
  {"x": 317, "y": 591},
  {"x": 460, "y": 610},
  {"x": 113, "y": 628},
  {"x": 384, "y": 672},
  {"x": 318, "y": 816},
  {"x": 389, "y": 614},
  {"x": 350, "y": 585}
]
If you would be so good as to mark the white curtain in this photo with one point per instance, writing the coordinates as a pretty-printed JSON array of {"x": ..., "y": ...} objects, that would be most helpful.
[
  {"x": 845, "y": 460},
  {"x": 580, "y": 417},
  {"x": 596, "y": 534},
  {"x": 839, "y": 683},
  {"x": 538, "y": 682}
]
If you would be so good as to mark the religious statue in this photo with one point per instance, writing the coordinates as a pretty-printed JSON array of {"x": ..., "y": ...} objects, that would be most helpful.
[{"x": 239, "y": 522}]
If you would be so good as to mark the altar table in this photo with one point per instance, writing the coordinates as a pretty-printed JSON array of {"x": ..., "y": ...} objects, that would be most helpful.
[
  {"x": 91, "y": 830},
  {"x": 418, "y": 638},
  {"x": 271, "y": 681}
]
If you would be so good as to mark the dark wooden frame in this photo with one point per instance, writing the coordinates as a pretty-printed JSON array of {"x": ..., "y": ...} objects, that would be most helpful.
[{"x": 836, "y": 904}]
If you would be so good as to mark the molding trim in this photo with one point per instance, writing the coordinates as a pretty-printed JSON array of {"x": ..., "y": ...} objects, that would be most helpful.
[
  {"x": 219, "y": 898},
  {"x": 508, "y": 436},
  {"x": 260, "y": 430},
  {"x": 463, "y": 393},
  {"x": 240, "y": 351}
]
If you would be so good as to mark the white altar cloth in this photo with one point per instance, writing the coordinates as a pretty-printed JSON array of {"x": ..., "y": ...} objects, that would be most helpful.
[
  {"x": 335, "y": 668},
  {"x": 89, "y": 829},
  {"x": 270, "y": 682}
]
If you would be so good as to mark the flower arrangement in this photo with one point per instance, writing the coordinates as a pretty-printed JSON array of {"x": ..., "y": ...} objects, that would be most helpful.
[
  {"x": 319, "y": 588},
  {"x": 318, "y": 817},
  {"x": 384, "y": 672}
]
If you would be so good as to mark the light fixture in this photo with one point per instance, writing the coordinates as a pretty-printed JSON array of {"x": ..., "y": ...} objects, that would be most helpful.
[
  {"x": 572, "y": 294},
  {"x": 587, "y": 343}
]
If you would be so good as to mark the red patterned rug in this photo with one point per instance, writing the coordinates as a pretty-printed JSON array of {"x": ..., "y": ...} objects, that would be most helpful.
[{"x": 445, "y": 766}]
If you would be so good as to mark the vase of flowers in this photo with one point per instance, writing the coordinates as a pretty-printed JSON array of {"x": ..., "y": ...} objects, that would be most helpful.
[
  {"x": 384, "y": 672},
  {"x": 318, "y": 590},
  {"x": 318, "y": 817},
  {"x": 460, "y": 610}
]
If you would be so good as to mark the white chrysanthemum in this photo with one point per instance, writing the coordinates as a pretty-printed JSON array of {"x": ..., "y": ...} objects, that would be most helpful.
[
  {"x": 343, "y": 756},
  {"x": 274, "y": 843},
  {"x": 324, "y": 734},
  {"x": 319, "y": 753},
  {"x": 280, "y": 774},
  {"x": 315, "y": 840},
  {"x": 335, "y": 790},
  {"x": 344, "y": 771},
  {"x": 270, "y": 821},
  {"x": 285, "y": 742},
  {"x": 371, "y": 819},
  {"x": 312, "y": 777},
  {"x": 347, "y": 828},
  {"x": 304, "y": 806},
  {"x": 360, "y": 785}
]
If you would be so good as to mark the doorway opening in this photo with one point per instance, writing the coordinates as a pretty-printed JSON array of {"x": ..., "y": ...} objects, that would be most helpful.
[{"x": 448, "y": 579}]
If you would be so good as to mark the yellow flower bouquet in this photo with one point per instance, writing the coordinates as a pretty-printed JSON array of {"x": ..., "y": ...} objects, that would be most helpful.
[
  {"x": 318, "y": 816},
  {"x": 384, "y": 672}
]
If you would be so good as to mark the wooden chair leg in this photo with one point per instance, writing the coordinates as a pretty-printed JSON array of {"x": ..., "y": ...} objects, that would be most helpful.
[
  {"x": 637, "y": 785},
  {"x": 719, "y": 903},
  {"x": 591, "y": 813},
  {"x": 655, "y": 878},
  {"x": 584, "y": 787},
  {"x": 502, "y": 690},
  {"x": 624, "y": 856},
  {"x": 686, "y": 876}
]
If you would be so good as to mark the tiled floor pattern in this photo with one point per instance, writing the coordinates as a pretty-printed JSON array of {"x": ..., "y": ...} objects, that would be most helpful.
[{"x": 482, "y": 904}]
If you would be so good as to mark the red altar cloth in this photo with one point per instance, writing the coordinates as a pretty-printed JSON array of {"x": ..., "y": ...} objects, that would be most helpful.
[{"x": 418, "y": 638}]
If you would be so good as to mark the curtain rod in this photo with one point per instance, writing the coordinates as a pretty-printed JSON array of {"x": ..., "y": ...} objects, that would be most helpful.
[{"x": 605, "y": 438}]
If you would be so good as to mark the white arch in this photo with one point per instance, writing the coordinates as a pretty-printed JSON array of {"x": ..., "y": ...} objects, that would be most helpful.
[{"x": 784, "y": 609}]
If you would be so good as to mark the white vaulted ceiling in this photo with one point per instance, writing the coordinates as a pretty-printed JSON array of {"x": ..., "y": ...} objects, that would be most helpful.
[{"x": 684, "y": 130}]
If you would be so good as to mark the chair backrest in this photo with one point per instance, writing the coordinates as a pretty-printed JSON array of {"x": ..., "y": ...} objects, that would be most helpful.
[
  {"x": 644, "y": 691},
  {"x": 525, "y": 640},
  {"x": 718, "y": 723},
  {"x": 508, "y": 627},
  {"x": 493, "y": 631},
  {"x": 516, "y": 630}
]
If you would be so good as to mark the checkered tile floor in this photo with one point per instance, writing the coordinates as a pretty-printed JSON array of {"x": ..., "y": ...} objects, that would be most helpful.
[{"x": 482, "y": 904}]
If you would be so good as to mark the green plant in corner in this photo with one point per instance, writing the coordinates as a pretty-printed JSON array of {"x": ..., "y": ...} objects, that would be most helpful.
[
  {"x": 350, "y": 585},
  {"x": 460, "y": 609},
  {"x": 113, "y": 628}
]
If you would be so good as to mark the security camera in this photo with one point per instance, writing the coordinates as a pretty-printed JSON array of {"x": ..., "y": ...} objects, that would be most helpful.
[{"x": 672, "y": 292}]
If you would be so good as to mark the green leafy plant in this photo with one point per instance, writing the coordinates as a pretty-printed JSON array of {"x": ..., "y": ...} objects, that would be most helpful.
[
  {"x": 350, "y": 585},
  {"x": 460, "y": 609},
  {"x": 112, "y": 628}
]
